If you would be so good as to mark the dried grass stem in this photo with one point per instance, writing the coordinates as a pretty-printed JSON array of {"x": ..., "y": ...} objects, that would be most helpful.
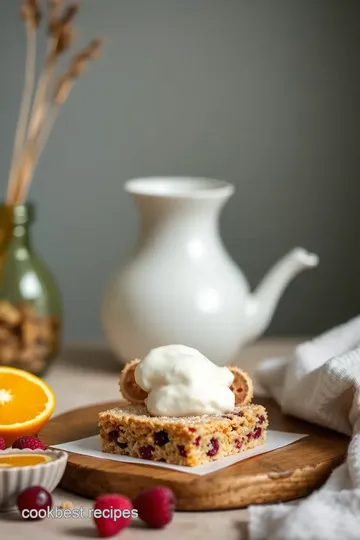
[
  {"x": 24, "y": 109},
  {"x": 38, "y": 112}
]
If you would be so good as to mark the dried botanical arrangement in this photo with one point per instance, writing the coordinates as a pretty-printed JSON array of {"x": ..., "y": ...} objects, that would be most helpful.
[
  {"x": 43, "y": 98},
  {"x": 30, "y": 330}
]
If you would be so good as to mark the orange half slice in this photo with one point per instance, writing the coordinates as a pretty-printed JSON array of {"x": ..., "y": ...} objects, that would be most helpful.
[{"x": 26, "y": 403}]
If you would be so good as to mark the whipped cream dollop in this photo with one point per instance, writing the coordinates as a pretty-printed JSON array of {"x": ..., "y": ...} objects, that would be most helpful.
[{"x": 180, "y": 381}]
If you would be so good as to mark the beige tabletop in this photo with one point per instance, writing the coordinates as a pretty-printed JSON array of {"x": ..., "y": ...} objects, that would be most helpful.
[{"x": 85, "y": 376}]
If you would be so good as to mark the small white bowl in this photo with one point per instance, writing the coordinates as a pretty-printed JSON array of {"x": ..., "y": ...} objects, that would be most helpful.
[{"x": 13, "y": 480}]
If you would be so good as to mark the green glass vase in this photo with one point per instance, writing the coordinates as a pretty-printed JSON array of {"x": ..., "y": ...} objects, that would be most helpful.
[{"x": 30, "y": 302}]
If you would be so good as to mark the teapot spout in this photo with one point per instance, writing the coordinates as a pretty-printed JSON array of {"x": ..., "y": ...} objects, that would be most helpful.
[{"x": 263, "y": 302}]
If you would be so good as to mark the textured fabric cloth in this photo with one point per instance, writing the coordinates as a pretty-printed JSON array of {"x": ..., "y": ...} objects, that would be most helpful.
[{"x": 320, "y": 383}]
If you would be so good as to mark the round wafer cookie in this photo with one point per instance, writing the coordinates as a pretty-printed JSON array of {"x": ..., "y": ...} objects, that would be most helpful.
[
  {"x": 129, "y": 388},
  {"x": 242, "y": 386}
]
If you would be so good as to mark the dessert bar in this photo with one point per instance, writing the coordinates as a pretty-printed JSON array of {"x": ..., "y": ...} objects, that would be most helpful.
[{"x": 193, "y": 440}]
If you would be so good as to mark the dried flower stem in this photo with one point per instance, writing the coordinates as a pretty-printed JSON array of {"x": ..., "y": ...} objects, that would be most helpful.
[
  {"x": 38, "y": 124},
  {"x": 34, "y": 155},
  {"x": 39, "y": 105},
  {"x": 24, "y": 109},
  {"x": 54, "y": 6}
]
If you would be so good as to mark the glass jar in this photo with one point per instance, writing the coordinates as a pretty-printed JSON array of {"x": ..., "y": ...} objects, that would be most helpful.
[{"x": 30, "y": 303}]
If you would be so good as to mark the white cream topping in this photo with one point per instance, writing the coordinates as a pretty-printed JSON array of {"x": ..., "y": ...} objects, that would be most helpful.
[{"x": 180, "y": 381}]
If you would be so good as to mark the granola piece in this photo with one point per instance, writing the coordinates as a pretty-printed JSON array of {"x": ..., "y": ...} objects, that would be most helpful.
[
  {"x": 67, "y": 505},
  {"x": 9, "y": 314},
  {"x": 30, "y": 332},
  {"x": 9, "y": 355}
]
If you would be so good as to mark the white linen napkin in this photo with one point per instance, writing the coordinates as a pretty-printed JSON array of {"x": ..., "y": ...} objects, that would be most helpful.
[{"x": 320, "y": 383}]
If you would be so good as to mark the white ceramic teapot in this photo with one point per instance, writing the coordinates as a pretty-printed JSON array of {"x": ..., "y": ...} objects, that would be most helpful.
[{"x": 180, "y": 286}]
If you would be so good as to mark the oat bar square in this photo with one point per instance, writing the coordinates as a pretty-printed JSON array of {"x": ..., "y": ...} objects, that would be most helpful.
[{"x": 190, "y": 441}]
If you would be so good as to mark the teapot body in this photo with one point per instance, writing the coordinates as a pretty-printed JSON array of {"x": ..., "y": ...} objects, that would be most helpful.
[{"x": 180, "y": 286}]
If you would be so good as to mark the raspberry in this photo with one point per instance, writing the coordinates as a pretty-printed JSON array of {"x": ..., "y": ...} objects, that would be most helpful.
[
  {"x": 182, "y": 450},
  {"x": 146, "y": 452},
  {"x": 29, "y": 441},
  {"x": 257, "y": 432},
  {"x": 156, "y": 506},
  {"x": 238, "y": 444},
  {"x": 112, "y": 514},
  {"x": 161, "y": 438},
  {"x": 2, "y": 443},
  {"x": 213, "y": 448},
  {"x": 261, "y": 418},
  {"x": 197, "y": 441},
  {"x": 122, "y": 445},
  {"x": 35, "y": 501}
]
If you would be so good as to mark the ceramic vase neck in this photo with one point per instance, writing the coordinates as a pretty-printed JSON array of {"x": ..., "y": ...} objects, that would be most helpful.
[
  {"x": 181, "y": 216},
  {"x": 179, "y": 207}
]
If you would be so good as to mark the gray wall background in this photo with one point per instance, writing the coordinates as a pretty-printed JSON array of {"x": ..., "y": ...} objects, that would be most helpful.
[{"x": 264, "y": 94}]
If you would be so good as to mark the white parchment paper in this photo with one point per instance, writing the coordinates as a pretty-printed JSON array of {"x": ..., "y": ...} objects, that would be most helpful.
[{"x": 90, "y": 446}]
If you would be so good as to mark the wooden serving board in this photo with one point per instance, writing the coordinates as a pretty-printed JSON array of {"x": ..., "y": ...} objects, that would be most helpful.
[{"x": 281, "y": 475}]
